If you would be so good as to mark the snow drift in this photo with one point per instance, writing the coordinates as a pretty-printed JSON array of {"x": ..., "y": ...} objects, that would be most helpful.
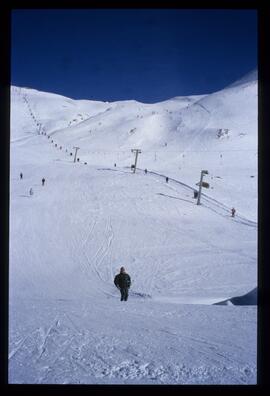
[{"x": 249, "y": 298}]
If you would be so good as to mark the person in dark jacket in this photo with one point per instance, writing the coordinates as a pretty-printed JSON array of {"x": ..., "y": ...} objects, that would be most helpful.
[
  {"x": 43, "y": 181},
  {"x": 122, "y": 281}
]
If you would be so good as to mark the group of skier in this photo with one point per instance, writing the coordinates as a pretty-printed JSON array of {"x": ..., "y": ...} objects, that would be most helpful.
[{"x": 31, "y": 191}]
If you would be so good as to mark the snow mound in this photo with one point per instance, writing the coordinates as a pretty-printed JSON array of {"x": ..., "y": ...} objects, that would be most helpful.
[{"x": 247, "y": 299}]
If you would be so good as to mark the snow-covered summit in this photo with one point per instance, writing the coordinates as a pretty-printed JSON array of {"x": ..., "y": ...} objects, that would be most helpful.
[{"x": 176, "y": 122}]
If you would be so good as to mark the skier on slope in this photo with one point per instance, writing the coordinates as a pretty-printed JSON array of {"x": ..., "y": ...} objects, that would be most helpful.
[
  {"x": 21, "y": 175},
  {"x": 122, "y": 281},
  {"x": 43, "y": 181},
  {"x": 233, "y": 212}
]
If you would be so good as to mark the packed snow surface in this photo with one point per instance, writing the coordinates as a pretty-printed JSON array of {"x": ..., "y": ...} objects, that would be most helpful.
[{"x": 191, "y": 316}]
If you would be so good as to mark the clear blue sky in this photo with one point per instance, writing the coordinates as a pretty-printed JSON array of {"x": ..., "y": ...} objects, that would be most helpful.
[{"x": 148, "y": 55}]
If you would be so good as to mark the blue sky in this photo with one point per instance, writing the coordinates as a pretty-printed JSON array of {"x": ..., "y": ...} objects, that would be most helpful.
[{"x": 148, "y": 55}]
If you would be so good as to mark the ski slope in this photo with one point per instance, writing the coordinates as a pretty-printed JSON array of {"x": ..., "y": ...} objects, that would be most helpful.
[{"x": 182, "y": 323}]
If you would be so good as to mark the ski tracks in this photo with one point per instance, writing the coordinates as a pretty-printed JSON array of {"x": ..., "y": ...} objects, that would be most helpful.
[
  {"x": 51, "y": 352},
  {"x": 62, "y": 353},
  {"x": 39, "y": 351},
  {"x": 99, "y": 264},
  {"x": 91, "y": 242},
  {"x": 103, "y": 251}
]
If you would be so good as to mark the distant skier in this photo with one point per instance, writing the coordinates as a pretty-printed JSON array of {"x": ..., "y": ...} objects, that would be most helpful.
[
  {"x": 31, "y": 192},
  {"x": 233, "y": 212},
  {"x": 122, "y": 282},
  {"x": 21, "y": 176},
  {"x": 43, "y": 181},
  {"x": 145, "y": 171},
  {"x": 167, "y": 179},
  {"x": 114, "y": 165}
]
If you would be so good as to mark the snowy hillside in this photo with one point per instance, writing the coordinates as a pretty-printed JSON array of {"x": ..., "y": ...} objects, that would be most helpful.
[{"x": 188, "y": 263}]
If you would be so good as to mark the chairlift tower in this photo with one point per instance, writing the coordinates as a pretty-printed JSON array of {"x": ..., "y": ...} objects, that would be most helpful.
[
  {"x": 136, "y": 151},
  {"x": 76, "y": 148},
  {"x": 202, "y": 184}
]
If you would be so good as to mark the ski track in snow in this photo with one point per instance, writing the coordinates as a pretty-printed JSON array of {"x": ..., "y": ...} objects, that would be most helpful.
[
  {"x": 92, "y": 264},
  {"x": 85, "y": 357}
]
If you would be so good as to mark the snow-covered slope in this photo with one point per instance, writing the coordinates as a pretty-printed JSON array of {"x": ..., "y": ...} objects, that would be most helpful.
[
  {"x": 69, "y": 239},
  {"x": 179, "y": 137}
]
